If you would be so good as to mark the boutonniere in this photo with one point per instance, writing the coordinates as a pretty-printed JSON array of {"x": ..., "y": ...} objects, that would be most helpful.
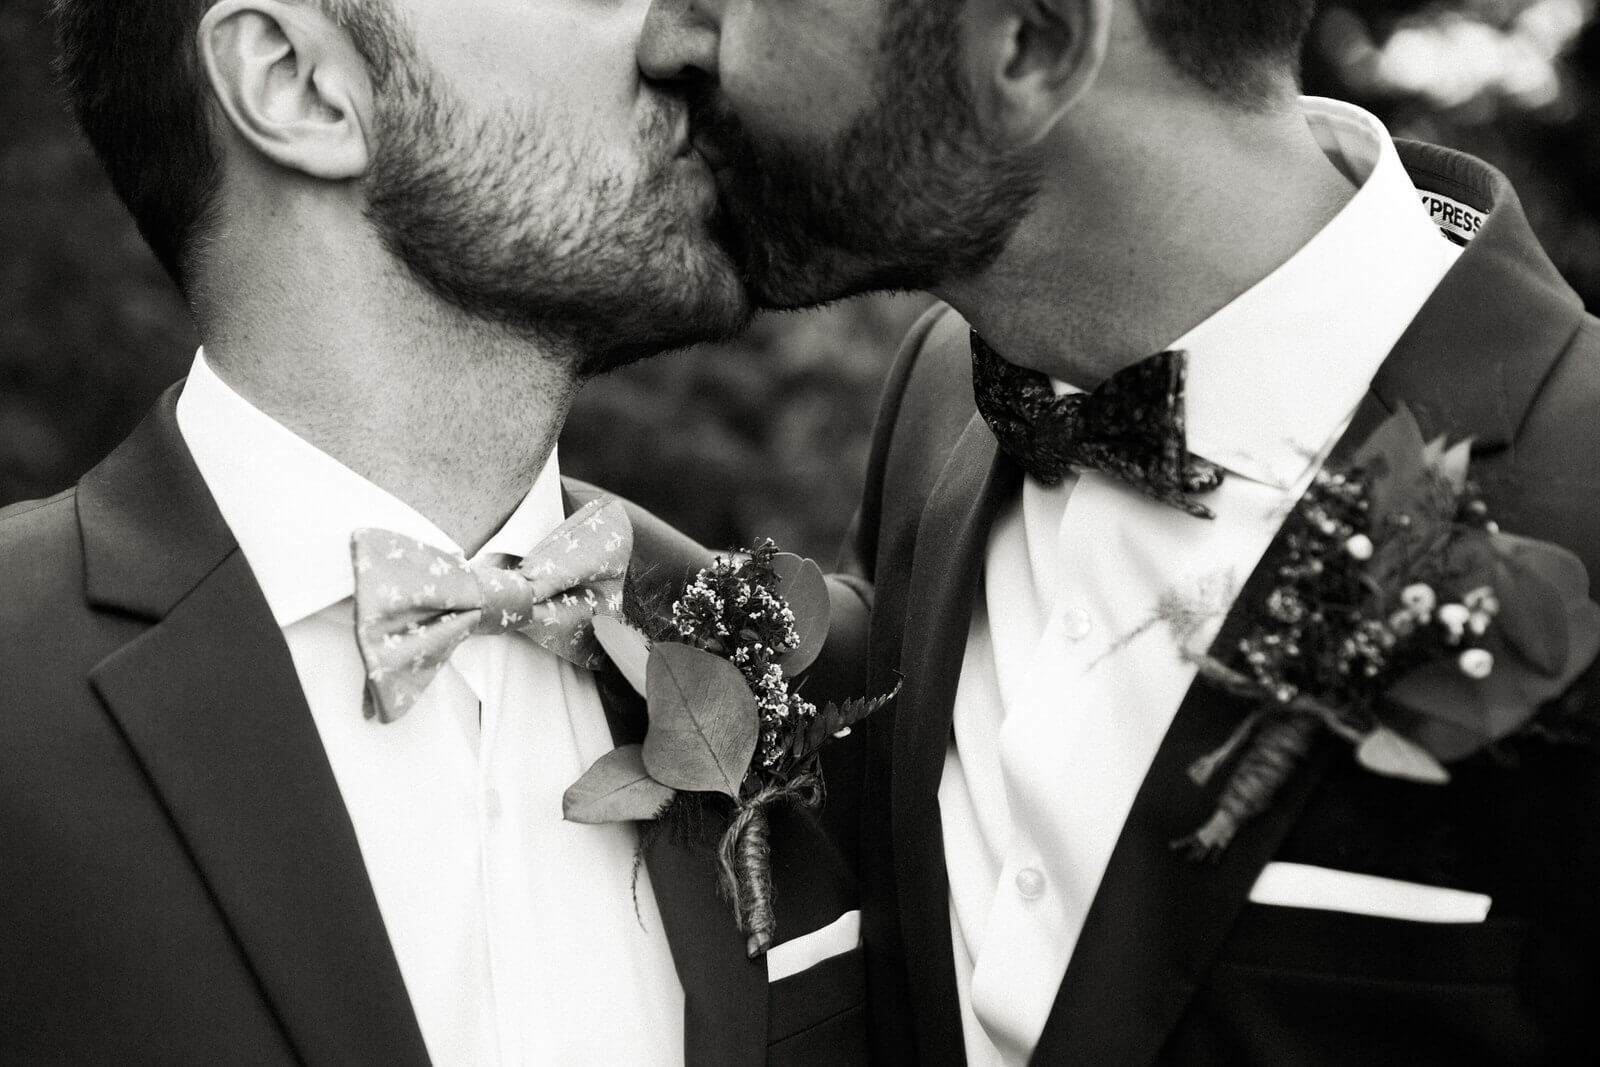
[
  {"x": 1401, "y": 620},
  {"x": 729, "y": 734}
]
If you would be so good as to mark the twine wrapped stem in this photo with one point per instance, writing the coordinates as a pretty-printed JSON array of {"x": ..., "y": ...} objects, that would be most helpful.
[{"x": 745, "y": 857}]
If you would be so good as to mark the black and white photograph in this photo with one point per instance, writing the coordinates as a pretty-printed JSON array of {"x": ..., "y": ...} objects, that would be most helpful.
[{"x": 807, "y": 533}]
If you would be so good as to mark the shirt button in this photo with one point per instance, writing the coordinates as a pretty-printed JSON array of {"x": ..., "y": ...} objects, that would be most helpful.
[
  {"x": 1076, "y": 624},
  {"x": 491, "y": 805},
  {"x": 1030, "y": 883}
]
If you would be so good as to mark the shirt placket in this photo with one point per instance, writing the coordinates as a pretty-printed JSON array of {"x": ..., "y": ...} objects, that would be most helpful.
[
  {"x": 1037, "y": 900},
  {"x": 483, "y": 666}
]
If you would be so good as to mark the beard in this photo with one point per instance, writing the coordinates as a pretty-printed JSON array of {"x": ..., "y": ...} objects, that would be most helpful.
[
  {"x": 513, "y": 224},
  {"x": 908, "y": 196}
]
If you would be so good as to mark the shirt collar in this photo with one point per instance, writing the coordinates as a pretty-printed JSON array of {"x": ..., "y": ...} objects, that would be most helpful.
[
  {"x": 292, "y": 507},
  {"x": 1275, "y": 376}
]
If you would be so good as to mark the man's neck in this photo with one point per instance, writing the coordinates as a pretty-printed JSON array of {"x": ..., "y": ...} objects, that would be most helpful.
[
  {"x": 1144, "y": 232},
  {"x": 452, "y": 415}
]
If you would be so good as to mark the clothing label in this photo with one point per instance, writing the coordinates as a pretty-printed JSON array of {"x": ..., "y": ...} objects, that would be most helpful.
[{"x": 1456, "y": 220}]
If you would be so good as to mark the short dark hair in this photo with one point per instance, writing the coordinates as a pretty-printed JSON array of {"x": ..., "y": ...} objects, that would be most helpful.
[
  {"x": 1239, "y": 49},
  {"x": 131, "y": 72}
]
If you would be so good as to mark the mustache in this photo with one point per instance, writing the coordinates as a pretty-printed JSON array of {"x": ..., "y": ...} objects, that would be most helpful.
[
  {"x": 717, "y": 131},
  {"x": 664, "y": 129}
]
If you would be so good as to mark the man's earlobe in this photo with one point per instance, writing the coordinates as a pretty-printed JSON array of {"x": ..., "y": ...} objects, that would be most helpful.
[
  {"x": 1041, "y": 56},
  {"x": 291, "y": 85}
]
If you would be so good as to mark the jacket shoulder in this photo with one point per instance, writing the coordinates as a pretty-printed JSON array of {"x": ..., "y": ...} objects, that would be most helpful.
[
  {"x": 49, "y": 637},
  {"x": 1549, "y": 483},
  {"x": 40, "y": 547},
  {"x": 50, "y": 506}
]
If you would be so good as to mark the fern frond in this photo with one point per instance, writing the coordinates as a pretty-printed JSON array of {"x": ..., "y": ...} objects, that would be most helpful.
[{"x": 833, "y": 720}]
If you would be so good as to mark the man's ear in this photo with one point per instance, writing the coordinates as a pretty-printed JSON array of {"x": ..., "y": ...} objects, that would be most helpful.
[
  {"x": 1034, "y": 59},
  {"x": 291, "y": 83}
]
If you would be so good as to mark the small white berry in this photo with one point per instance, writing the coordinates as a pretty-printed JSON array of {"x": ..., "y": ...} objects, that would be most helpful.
[
  {"x": 1360, "y": 547},
  {"x": 1476, "y": 663},
  {"x": 1482, "y": 599},
  {"x": 1455, "y": 618},
  {"x": 1419, "y": 599}
]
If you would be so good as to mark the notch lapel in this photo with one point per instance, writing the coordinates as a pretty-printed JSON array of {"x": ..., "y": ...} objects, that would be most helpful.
[
  {"x": 1158, "y": 918},
  {"x": 952, "y": 539},
  {"x": 209, "y": 701},
  {"x": 725, "y": 994}
]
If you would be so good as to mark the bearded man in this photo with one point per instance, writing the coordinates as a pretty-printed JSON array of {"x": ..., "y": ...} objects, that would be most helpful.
[
  {"x": 407, "y": 230},
  {"x": 1060, "y": 524}
]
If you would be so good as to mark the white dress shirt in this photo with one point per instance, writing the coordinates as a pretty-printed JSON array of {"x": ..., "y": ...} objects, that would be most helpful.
[
  {"x": 515, "y": 931},
  {"x": 1069, "y": 681}
]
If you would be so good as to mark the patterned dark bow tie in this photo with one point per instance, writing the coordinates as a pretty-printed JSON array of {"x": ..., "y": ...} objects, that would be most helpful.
[{"x": 1131, "y": 427}]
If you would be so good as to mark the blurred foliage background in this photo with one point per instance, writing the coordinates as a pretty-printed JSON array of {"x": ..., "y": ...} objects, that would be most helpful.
[{"x": 766, "y": 437}]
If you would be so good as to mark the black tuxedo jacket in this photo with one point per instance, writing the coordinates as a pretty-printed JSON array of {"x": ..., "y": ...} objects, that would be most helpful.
[
  {"x": 1175, "y": 966},
  {"x": 179, "y": 881}
]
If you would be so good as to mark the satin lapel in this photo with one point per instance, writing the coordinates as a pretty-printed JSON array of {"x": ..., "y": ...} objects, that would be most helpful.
[
  {"x": 1159, "y": 919},
  {"x": 209, "y": 701},
  {"x": 725, "y": 994},
  {"x": 951, "y": 542}
]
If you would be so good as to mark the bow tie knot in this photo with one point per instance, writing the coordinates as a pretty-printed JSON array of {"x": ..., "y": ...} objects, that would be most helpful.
[
  {"x": 416, "y": 604},
  {"x": 1132, "y": 427}
]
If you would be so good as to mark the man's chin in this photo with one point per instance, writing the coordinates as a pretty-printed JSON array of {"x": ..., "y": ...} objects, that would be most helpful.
[
  {"x": 792, "y": 280},
  {"x": 716, "y": 309},
  {"x": 781, "y": 246}
]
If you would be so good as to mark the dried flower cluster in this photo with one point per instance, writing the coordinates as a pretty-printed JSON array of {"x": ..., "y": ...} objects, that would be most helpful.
[
  {"x": 731, "y": 610},
  {"x": 1330, "y": 631}
]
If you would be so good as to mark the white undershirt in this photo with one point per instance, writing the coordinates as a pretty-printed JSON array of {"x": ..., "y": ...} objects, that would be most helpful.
[
  {"x": 515, "y": 931},
  {"x": 1067, "y": 689}
]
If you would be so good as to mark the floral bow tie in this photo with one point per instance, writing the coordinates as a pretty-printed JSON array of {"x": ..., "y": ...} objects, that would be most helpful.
[
  {"x": 1131, "y": 427},
  {"x": 416, "y": 604}
]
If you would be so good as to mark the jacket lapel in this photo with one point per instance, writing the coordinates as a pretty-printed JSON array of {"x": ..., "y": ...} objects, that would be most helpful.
[
  {"x": 951, "y": 540},
  {"x": 1158, "y": 919},
  {"x": 1469, "y": 366},
  {"x": 210, "y": 702},
  {"x": 725, "y": 993}
]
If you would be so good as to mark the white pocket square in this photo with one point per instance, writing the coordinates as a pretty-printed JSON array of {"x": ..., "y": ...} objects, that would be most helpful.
[
  {"x": 1295, "y": 885},
  {"x": 808, "y": 950}
]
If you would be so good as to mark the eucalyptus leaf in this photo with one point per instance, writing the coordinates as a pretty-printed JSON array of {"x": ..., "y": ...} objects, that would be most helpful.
[
  {"x": 802, "y": 586},
  {"x": 1567, "y": 584},
  {"x": 1394, "y": 755},
  {"x": 1546, "y": 635},
  {"x": 627, "y": 647},
  {"x": 616, "y": 789},
  {"x": 1460, "y": 715},
  {"x": 1532, "y": 618},
  {"x": 1453, "y": 465},
  {"x": 1433, "y": 451},
  {"x": 1397, "y": 435},
  {"x": 1472, "y": 712},
  {"x": 703, "y": 721},
  {"x": 1393, "y": 455},
  {"x": 1558, "y": 566}
]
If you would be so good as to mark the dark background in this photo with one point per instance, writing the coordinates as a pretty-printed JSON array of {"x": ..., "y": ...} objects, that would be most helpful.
[{"x": 765, "y": 437}]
